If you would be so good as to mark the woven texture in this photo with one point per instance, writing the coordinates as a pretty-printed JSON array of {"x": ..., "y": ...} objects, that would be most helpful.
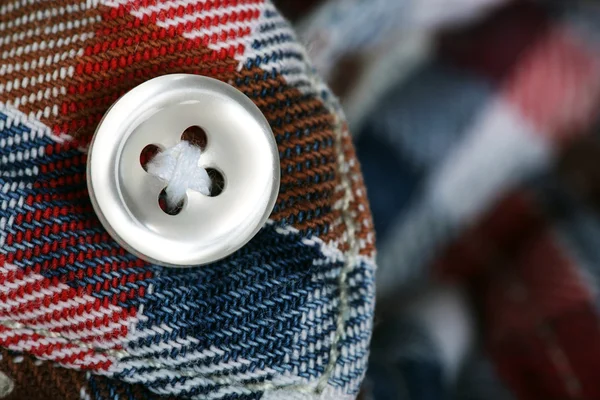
[{"x": 291, "y": 312}]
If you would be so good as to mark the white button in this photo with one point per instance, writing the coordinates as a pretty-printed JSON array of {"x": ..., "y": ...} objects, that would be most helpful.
[{"x": 239, "y": 153}]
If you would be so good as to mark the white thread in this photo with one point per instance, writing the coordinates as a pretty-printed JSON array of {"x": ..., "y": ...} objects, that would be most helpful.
[
  {"x": 179, "y": 167},
  {"x": 293, "y": 394}
]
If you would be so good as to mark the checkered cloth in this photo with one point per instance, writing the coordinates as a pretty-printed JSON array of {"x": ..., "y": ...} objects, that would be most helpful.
[
  {"x": 477, "y": 162},
  {"x": 287, "y": 317}
]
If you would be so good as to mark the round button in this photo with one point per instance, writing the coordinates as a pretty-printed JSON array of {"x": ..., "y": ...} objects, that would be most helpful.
[{"x": 204, "y": 131}]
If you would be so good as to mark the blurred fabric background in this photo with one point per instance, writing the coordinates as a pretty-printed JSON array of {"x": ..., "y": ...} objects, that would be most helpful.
[{"x": 476, "y": 124}]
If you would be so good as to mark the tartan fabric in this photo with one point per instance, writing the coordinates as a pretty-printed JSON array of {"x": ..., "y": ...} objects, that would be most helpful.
[
  {"x": 465, "y": 160},
  {"x": 288, "y": 315}
]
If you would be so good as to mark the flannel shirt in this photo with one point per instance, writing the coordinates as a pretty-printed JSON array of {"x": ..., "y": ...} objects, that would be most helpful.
[{"x": 288, "y": 316}]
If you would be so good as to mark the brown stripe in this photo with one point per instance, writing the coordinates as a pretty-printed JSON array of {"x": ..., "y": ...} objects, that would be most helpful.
[
  {"x": 34, "y": 56},
  {"x": 75, "y": 18},
  {"x": 43, "y": 380},
  {"x": 363, "y": 220},
  {"x": 33, "y": 382}
]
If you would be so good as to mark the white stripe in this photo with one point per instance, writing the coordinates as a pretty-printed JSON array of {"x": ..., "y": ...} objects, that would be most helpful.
[
  {"x": 41, "y": 15},
  {"x": 330, "y": 393},
  {"x": 229, "y": 28},
  {"x": 15, "y": 5},
  {"x": 46, "y": 45},
  {"x": 330, "y": 250},
  {"x": 77, "y": 334},
  {"x": 16, "y": 314},
  {"x": 32, "y": 66},
  {"x": 202, "y": 375},
  {"x": 31, "y": 345},
  {"x": 162, "y": 6},
  {"x": 38, "y": 129},
  {"x": 48, "y": 30},
  {"x": 499, "y": 150},
  {"x": 146, "y": 352},
  {"x": 193, "y": 17},
  {"x": 7, "y": 286},
  {"x": 9, "y": 304}
]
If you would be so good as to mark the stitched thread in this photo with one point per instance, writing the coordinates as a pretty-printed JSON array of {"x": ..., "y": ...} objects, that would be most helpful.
[
  {"x": 348, "y": 262},
  {"x": 56, "y": 335},
  {"x": 179, "y": 166}
]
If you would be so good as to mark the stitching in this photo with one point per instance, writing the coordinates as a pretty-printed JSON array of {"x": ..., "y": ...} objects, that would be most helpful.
[
  {"x": 331, "y": 103},
  {"x": 120, "y": 354},
  {"x": 56, "y": 335},
  {"x": 350, "y": 256}
]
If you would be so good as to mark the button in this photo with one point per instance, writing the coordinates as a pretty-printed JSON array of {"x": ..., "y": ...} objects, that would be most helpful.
[{"x": 211, "y": 150}]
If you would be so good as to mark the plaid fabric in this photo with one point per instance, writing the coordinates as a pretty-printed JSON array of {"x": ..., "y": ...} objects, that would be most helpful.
[
  {"x": 464, "y": 158},
  {"x": 288, "y": 316}
]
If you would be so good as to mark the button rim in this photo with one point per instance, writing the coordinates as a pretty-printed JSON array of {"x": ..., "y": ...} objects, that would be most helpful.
[{"x": 99, "y": 199}]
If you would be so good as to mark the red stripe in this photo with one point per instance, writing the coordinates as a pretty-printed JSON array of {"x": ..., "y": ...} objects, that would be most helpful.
[
  {"x": 557, "y": 86},
  {"x": 536, "y": 307},
  {"x": 525, "y": 290}
]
